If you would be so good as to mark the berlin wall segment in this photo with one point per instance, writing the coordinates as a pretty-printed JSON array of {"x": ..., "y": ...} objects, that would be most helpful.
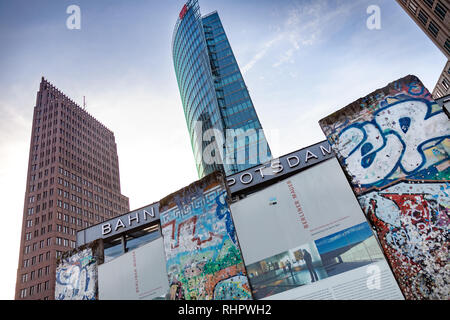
[
  {"x": 204, "y": 261},
  {"x": 394, "y": 146},
  {"x": 77, "y": 274}
]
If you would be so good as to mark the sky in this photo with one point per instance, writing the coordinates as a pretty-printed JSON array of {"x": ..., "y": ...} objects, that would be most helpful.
[{"x": 301, "y": 60}]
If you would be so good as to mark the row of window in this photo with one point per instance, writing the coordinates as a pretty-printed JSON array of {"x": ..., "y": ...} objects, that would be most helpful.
[
  {"x": 28, "y": 248},
  {"x": 39, "y": 207},
  {"x": 35, "y": 177},
  {"x": 66, "y": 230},
  {"x": 97, "y": 188},
  {"x": 96, "y": 176},
  {"x": 36, "y": 259},
  {"x": 38, "y": 232},
  {"x": 41, "y": 272},
  {"x": 447, "y": 45},
  {"x": 67, "y": 112},
  {"x": 67, "y": 163},
  {"x": 70, "y": 207},
  {"x": 86, "y": 147},
  {"x": 38, "y": 288},
  {"x": 89, "y": 154},
  {"x": 432, "y": 26},
  {"x": 29, "y": 223},
  {"x": 42, "y": 231},
  {"x": 440, "y": 9},
  {"x": 104, "y": 163},
  {"x": 65, "y": 242},
  {"x": 54, "y": 140},
  {"x": 445, "y": 84}
]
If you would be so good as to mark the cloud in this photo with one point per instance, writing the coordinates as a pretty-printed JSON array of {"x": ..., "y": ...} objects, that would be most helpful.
[
  {"x": 304, "y": 25},
  {"x": 261, "y": 53}
]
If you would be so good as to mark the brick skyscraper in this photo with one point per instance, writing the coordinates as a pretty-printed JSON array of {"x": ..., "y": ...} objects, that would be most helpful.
[
  {"x": 72, "y": 183},
  {"x": 433, "y": 17}
]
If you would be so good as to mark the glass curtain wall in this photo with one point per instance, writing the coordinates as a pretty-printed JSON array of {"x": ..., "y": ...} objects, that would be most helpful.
[{"x": 214, "y": 95}]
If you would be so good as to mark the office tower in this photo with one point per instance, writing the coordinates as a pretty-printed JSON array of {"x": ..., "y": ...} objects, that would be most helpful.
[
  {"x": 442, "y": 87},
  {"x": 224, "y": 128},
  {"x": 72, "y": 183},
  {"x": 433, "y": 17}
]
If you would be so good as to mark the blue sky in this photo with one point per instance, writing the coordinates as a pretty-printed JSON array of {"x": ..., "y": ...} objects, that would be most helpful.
[{"x": 301, "y": 60}]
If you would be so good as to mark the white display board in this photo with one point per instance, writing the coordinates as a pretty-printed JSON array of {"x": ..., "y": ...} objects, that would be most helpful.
[
  {"x": 306, "y": 237},
  {"x": 137, "y": 275}
]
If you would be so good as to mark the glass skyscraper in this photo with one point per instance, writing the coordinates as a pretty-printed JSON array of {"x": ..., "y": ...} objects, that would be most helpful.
[{"x": 224, "y": 129}]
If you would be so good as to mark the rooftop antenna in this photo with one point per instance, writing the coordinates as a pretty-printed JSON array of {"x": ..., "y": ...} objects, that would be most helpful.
[{"x": 84, "y": 103}]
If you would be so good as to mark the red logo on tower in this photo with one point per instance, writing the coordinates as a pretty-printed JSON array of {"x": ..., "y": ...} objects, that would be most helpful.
[{"x": 183, "y": 11}]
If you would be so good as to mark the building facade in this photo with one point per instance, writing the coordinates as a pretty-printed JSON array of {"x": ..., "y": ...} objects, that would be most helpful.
[
  {"x": 433, "y": 17},
  {"x": 442, "y": 87},
  {"x": 72, "y": 183},
  {"x": 224, "y": 128}
]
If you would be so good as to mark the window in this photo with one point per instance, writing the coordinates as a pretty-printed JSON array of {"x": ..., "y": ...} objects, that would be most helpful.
[
  {"x": 113, "y": 249},
  {"x": 445, "y": 84},
  {"x": 433, "y": 28},
  {"x": 141, "y": 237},
  {"x": 447, "y": 45},
  {"x": 412, "y": 6},
  {"x": 440, "y": 10},
  {"x": 423, "y": 17},
  {"x": 429, "y": 2}
]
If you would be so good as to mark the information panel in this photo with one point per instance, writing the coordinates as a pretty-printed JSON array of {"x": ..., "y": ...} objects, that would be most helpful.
[
  {"x": 137, "y": 275},
  {"x": 306, "y": 237}
]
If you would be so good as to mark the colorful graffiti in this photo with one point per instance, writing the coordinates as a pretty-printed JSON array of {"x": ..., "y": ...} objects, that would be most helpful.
[
  {"x": 76, "y": 276},
  {"x": 394, "y": 145},
  {"x": 203, "y": 257}
]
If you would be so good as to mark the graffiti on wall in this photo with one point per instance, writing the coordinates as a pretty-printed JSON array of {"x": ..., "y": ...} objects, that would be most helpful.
[
  {"x": 203, "y": 257},
  {"x": 76, "y": 276},
  {"x": 394, "y": 146}
]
